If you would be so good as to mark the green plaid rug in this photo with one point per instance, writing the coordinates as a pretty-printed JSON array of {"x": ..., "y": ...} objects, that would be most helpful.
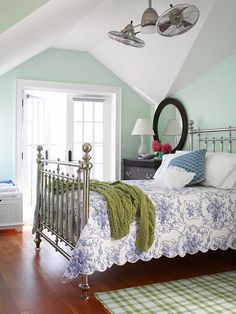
[{"x": 213, "y": 294}]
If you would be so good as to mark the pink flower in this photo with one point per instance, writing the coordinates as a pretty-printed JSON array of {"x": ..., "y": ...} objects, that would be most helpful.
[
  {"x": 166, "y": 148},
  {"x": 156, "y": 146}
]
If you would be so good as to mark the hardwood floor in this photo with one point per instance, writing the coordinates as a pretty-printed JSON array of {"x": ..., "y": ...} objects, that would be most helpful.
[{"x": 30, "y": 281}]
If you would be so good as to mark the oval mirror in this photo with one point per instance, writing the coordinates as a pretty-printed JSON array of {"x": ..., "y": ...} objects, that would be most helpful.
[{"x": 170, "y": 123}]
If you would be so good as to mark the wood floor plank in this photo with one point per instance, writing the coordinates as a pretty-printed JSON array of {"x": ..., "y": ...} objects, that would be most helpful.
[
  {"x": 7, "y": 302},
  {"x": 30, "y": 281}
]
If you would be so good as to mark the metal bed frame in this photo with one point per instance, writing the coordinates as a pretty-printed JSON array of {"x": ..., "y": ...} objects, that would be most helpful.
[
  {"x": 221, "y": 139},
  {"x": 55, "y": 204},
  {"x": 57, "y": 192}
]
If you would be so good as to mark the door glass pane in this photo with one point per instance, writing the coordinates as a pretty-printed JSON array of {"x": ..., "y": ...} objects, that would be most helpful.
[
  {"x": 98, "y": 132},
  {"x": 57, "y": 122},
  {"x": 78, "y": 111},
  {"x": 98, "y": 154},
  {"x": 57, "y": 151},
  {"x": 98, "y": 171},
  {"x": 77, "y": 154},
  {"x": 31, "y": 175},
  {"x": 88, "y": 111},
  {"x": 78, "y": 132},
  {"x": 29, "y": 134},
  {"x": 98, "y": 111},
  {"x": 88, "y": 132}
]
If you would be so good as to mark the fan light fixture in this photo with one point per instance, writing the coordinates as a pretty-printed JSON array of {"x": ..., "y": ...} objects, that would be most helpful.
[
  {"x": 175, "y": 21},
  {"x": 149, "y": 20}
]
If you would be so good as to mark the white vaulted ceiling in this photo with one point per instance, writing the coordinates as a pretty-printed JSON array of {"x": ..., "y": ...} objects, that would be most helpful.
[{"x": 162, "y": 67}]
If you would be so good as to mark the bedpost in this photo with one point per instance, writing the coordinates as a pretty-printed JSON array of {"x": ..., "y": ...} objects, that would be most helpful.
[
  {"x": 190, "y": 132},
  {"x": 86, "y": 167},
  {"x": 37, "y": 239}
]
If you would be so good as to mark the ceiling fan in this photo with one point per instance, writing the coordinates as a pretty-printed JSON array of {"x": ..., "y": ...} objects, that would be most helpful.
[{"x": 175, "y": 21}]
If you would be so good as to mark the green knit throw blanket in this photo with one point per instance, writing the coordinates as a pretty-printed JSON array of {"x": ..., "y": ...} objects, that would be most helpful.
[{"x": 125, "y": 203}]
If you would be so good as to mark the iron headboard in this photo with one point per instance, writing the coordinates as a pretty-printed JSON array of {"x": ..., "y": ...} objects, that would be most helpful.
[{"x": 226, "y": 136}]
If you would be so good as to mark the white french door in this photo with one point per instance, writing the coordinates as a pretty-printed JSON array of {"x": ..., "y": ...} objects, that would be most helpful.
[
  {"x": 43, "y": 123},
  {"x": 34, "y": 132},
  {"x": 89, "y": 121},
  {"x": 62, "y": 122}
]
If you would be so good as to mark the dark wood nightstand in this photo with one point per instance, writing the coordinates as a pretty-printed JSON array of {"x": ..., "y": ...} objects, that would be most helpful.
[{"x": 136, "y": 169}]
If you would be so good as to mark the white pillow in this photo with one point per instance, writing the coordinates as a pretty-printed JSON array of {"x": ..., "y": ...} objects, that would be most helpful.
[
  {"x": 173, "y": 178},
  {"x": 182, "y": 152},
  {"x": 164, "y": 164},
  {"x": 220, "y": 170},
  {"x": 229, "y": 181}
]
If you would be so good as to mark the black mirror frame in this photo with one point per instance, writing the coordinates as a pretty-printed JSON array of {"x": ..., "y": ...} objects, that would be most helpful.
[{"x": 183, "y": 114}]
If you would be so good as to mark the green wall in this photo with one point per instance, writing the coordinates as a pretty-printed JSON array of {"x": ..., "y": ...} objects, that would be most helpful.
[
  {"x": 59, "y": 65},
  {"x": 211, "y": 99},
  {"x": 12, "y": 11}
]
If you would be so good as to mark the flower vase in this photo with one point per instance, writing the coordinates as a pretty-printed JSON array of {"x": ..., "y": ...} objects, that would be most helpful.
[{"x": 158, "y": 155}]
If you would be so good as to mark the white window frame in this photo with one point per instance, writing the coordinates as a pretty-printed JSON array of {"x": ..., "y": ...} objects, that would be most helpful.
[{"x": 79, "y": 89}]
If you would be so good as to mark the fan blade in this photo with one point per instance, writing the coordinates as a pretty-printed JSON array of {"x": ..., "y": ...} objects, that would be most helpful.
[
  {"x": 186, "y": 23},
  {"x": 182, "y": 10},
  {"x": 164, "y": 26}
]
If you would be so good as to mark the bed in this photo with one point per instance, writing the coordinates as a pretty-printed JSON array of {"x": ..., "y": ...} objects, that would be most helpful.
[{"x": 188, "y": 220}]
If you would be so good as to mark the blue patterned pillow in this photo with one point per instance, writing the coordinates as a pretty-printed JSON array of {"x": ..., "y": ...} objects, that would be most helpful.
[{"x": 192, "y": 162}]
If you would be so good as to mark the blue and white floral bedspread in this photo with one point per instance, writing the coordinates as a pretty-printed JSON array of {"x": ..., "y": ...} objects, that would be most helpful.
[{"x": 187, "y": 221}]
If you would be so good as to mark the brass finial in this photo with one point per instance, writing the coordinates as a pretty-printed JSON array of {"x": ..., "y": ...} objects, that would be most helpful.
[{"x": 87, "y": 148}]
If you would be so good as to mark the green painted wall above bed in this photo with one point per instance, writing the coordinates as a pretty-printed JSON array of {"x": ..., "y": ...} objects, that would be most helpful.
[
  {"x": 59, "y": 65},
  {"x": 211, "y": 99}
]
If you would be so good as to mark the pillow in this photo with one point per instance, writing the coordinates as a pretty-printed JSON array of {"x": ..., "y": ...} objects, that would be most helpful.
[
  {"x": 229, "y": 181},
  {"x": 234, "y": 186},
  {"x": 220, "y": 170},
  {"x": 173, "y": 178},
  {"x": 182, "y": 152},
  {"x": 164, "y": 164},
  {"x": 192, "y": 162}
]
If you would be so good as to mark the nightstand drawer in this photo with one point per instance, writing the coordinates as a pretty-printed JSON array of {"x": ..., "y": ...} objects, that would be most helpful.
[
  {"x": 135, "y": 169},
  {"x": 137, "y": 173}
]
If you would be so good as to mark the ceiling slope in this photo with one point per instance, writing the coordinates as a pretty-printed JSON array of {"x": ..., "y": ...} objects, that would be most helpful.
[
  {"x": 39, "y": 30},
  {"x": 12, "y": 12},
  {"x": 215, "y": 42},
  {"x": 151, "y": 70}
]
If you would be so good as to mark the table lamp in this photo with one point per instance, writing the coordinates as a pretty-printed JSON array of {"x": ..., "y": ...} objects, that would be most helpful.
[{"x": 142, "y": 127}]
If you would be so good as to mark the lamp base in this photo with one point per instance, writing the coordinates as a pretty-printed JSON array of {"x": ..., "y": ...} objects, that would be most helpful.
[
  {"x": 142, "y": 148},
  {"x": 146, "y": 157}
]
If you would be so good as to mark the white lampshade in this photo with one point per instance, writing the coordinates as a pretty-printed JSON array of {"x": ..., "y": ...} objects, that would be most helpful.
[
  {"x": 173, "y": 127},
  {"x": 143, "y": 127}
]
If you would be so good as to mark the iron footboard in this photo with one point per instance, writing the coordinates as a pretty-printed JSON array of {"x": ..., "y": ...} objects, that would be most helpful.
[{"x": 62, "y": 204}]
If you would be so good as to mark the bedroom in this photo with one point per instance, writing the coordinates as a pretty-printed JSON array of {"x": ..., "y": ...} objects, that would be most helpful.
[{"x": 204, "y": 78}]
